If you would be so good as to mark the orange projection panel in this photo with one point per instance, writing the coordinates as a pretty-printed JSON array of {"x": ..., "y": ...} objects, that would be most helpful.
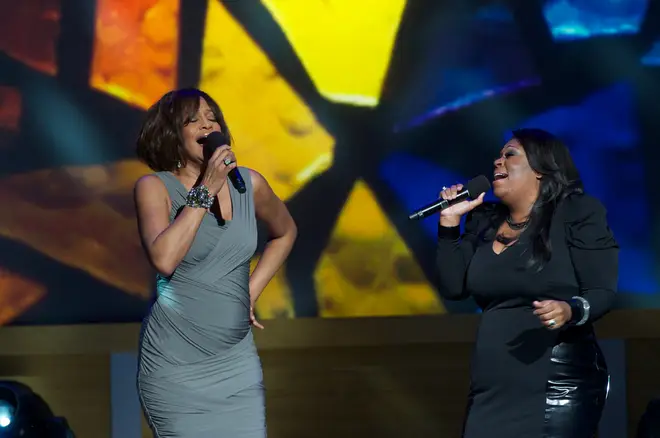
[
  {"x": 17, "y": 294},
  {"x": 29, "y": 31},
  {"x": 10, "y": 108},
  {"x": 367, "y": 269},
  {"x": 135, "y": 49},
  {"x": 83, "y": 217}
]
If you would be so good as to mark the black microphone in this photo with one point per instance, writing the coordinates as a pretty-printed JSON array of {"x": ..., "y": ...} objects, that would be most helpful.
[
  {"x": 475, "y": 187},
  {"x": 213, "y": 141}
]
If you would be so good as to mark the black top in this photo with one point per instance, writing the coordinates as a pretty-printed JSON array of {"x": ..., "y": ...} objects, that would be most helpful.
[{"x": 512, "y": 353}]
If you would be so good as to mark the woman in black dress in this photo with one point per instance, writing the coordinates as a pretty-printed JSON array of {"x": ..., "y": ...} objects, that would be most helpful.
[{"x": 543, "y": 266}]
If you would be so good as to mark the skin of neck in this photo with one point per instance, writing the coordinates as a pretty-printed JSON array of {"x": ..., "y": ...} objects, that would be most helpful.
[
  {"x": 519, "y": 216},
  {"x": 520, "y": 210},
  {"x": 191, "y": 172}
]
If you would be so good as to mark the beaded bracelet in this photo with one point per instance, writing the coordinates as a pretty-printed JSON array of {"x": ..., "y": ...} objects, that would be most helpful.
[{"x": 199, "y": 197}]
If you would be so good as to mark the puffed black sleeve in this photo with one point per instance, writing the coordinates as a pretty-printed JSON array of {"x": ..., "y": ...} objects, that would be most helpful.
[
  {"x": 455, "y": 251},
  {"x": 594, "y": 253}
]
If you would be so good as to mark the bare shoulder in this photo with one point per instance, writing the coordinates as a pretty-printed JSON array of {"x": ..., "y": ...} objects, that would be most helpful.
[
  {"x": 258, "y": 180},
  {"x": 150, "y": 187},
  {"x": 260, "y": 186}
]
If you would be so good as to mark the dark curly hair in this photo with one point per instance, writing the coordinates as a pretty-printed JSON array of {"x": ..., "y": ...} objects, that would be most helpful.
[
  {"x": 549, "y": 157},
  {"x": 160, "y": 141}
]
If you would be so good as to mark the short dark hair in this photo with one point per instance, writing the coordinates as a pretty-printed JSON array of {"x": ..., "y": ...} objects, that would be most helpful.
[
  {"x": 160, "y": 141},
  {"x": 549, "y": 157}
]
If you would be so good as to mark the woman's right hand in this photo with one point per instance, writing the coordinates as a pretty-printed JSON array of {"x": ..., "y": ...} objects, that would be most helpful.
[
  {"x": 451, "y": 217},
  {"x": 216, "y": 172}
]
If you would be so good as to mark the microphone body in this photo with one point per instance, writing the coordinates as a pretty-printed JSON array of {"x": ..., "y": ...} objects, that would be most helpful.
[
  {"x": 213, "y": 141},
  {"x": 473, "y": 189},
  {"x": 438, "y": 205}
]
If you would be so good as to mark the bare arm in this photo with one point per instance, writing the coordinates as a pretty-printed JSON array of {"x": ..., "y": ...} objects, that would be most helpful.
[
  {"x": 282, "y": 234},
  {"x": 165, "y": 244}
]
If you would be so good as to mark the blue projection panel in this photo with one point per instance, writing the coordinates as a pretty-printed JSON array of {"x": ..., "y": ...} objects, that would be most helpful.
[
  {"x": 653, "y": 57},
  {"x": 420, "y": 190},
  {"x": 580, "y": 19},
  {"x": 602, "y": 132},
  {"x": 463, "y": 59}
]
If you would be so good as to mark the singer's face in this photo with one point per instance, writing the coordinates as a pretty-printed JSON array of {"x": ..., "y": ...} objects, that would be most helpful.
[
  {"x": 199, "y": 126},
  {"x": 514, "y": 179}
]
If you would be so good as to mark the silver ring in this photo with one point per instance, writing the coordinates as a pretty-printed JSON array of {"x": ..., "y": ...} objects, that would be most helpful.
[
  {"x": 444, "y": 188},
  {"x": 227, "y": 161},
  {"x": 552, "y": 323}
]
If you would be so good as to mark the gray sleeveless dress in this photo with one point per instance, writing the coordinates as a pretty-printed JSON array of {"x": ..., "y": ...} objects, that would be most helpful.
[{"x": 199, "y": 373}]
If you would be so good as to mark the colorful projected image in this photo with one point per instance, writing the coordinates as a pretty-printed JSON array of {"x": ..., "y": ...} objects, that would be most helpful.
[{"x": 355, "y": 113}]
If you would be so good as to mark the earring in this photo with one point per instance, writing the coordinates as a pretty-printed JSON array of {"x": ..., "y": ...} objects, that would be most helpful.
[{"x": 178, "y": 164}]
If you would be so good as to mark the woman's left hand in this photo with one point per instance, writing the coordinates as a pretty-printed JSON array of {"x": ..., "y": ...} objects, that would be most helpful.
[
  {"x": 553, "y": 314},
  {"x": 253, "y": 319}
]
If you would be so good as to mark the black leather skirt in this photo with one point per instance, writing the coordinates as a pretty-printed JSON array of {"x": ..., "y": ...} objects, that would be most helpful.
[{"x": 577, "y": 388}]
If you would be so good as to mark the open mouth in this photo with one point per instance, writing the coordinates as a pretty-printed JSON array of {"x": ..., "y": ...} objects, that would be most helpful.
[
  {"x": 202, "y": 139},
  {"x": 499, "y": 176}
]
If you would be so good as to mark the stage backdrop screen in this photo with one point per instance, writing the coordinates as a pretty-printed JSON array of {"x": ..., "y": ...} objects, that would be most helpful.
[{"x": 356, "y": 112}]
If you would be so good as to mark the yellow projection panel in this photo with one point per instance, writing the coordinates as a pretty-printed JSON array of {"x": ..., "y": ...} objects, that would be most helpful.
[
  {"x": 367, "y": 269},
  {"x": 345, "y": 45},
  {"x": 135, "y": 49},
  {"x": 275, "y": 133}
]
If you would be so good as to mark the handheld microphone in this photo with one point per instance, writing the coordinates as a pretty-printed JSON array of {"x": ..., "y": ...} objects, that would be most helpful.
[
  {"x": 213, "y": 141},
  {"x": 475, "y": 187}
]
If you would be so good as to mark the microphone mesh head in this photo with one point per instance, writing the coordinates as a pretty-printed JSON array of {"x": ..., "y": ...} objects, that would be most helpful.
[
  {"x": 477, "y": 185},
  {"x": 215, "y": 140}
]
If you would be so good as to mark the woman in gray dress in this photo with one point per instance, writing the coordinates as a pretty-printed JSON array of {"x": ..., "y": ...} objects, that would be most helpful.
[{"x": 199, "y": 373}]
